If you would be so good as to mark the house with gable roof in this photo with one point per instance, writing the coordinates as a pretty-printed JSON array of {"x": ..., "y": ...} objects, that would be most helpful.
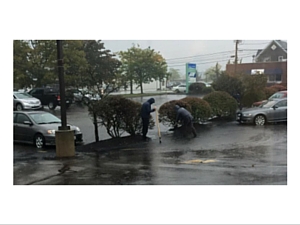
[{"x": 276, "y": 51}]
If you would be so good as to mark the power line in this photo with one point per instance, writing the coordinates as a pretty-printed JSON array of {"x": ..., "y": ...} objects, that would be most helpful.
[
  {"x": 263, "y": 43},
  {"x": 212, "y": 59},
  {"x": 207, "y": 62},
  {"x": 195, "y": 56}
]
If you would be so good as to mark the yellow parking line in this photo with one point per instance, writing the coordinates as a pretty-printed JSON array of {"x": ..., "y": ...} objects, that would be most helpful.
[{"x": 196, "y": 161}]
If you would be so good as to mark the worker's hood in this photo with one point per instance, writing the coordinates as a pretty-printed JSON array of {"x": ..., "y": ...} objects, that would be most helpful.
[
  {"x": 151, "y": 100},
  {"x": 177, "y": 107}
]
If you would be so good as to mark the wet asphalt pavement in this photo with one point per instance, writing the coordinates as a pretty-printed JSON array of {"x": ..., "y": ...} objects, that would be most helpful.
[{"x": 223, "y": 153}]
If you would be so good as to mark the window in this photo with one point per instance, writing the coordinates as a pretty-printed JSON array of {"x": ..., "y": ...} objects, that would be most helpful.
[
  {"x": 282, "y": 104},
  {"x": 15, "y": 116},
  {"x": 280, "y": 58},
  {"x": 21, "y": 118},
  {"x": 274, "y": 78},
  {"x": 37, "y": 91}
]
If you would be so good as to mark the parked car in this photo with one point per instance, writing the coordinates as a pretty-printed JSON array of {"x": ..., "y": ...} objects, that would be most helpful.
[
  {"x": 38, "y": 127},
  {"x": 23, "y": 100},
  {"x": 205, "y": 84},
  {"x": 50, "y": 96},
  {"x": 277, "y": 95},
  {"x": 179, "y": 88},
  {"x": 85, "y": 96},
  {"x": 272, "y": 111}
]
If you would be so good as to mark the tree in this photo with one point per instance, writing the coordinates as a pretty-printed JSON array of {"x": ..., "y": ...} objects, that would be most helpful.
[
  {"x": 21, "y": 64},
  {"x": 102, "y": 67},
  {"x": 213, "y": 72},
  {"x": 174, "y": 74},
  {"x": 141, "y": 66},
  {"x": 43, "y": 62}
]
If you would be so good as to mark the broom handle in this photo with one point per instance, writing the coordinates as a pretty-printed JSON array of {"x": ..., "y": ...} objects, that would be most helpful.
[{"x": 157, "y": 124}]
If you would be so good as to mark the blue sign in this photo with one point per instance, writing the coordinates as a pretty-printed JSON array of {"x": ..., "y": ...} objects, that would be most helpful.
[{"x": 192, "y": 65}]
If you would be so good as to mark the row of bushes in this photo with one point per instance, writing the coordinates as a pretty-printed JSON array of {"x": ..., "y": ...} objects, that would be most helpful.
[
  {"x": 249, "y": 89},
  {"x": 214, "y": 104},
  {"x": 118, "y": 114}
]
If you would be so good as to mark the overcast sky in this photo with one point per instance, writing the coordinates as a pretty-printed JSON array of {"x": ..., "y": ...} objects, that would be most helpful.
[{"x": 205, "y": 53}]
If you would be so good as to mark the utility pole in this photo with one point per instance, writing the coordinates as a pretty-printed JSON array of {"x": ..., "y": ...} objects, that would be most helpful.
[
  {"x": 64, "y": 136},
  {"x": 61, "y": 86},
  {"x": 236, "y": 54}
]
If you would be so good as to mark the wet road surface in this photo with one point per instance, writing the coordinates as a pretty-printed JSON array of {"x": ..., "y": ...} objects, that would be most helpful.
[{"x": 224, "y": 153}]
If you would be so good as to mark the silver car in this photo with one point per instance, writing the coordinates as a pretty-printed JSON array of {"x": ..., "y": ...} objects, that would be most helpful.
[
  {"x": 273, "y": 111},
  {"x": 38, "y": 127},
  {"x": 22, "y": 100}
]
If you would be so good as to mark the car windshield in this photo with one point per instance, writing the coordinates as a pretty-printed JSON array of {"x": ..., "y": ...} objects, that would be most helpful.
[
  {"x": 277, "y": 95},
  {"x": 22, "y": 95},
  {"x": 44, "y": 118},
  {"x": 268, "y": 104}
]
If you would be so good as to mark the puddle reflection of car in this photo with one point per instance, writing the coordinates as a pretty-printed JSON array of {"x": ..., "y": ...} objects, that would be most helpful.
[
  {"x": 272, "y": 111},
  {"x": 23, "y": 100},
  {"x": 38, "y": 127}
]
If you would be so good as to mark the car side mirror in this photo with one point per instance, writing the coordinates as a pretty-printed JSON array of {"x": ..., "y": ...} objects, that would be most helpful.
[
  {"x": 27, "y": 122},
  {"x": 275, "y": 107}
]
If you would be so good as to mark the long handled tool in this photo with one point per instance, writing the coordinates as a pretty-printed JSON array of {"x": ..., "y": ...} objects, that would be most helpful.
[{"x": 158, "y": 129}]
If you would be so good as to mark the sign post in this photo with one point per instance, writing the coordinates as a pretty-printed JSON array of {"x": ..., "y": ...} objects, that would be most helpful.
[{"x": 191, "y": 73}]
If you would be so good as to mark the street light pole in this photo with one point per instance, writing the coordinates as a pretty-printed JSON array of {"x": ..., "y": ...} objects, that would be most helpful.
[
  {"x": 61, "y": 86},
  {"x": 64, "y": 136}
]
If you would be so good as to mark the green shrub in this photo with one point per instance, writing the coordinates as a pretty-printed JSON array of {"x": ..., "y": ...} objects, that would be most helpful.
[
  {"x": 199, "y": 88},
  {"x": 222, "y": 104},
  {"x": 167, "y": 113},
  {"x": 118, "y": 114},
  {"x": 200, "y": 109},
  {"x": 231, "y": 85},
  {"x": 249, "y": 97}
]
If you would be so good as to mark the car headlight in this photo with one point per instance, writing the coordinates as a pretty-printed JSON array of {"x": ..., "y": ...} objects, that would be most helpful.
[
  {"x": 51, "y": 131},
  {"x": 77, "y": 128},
  {"x": 247, "y": 114}
]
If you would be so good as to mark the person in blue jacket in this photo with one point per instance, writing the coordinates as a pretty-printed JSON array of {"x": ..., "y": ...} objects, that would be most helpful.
[
  {"x": 186, "y": 118},
  {"x": 145, "y": 114}
]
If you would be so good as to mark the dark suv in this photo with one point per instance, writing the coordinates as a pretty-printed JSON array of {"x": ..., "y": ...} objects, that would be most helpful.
[{"x": 50, "y": 96}]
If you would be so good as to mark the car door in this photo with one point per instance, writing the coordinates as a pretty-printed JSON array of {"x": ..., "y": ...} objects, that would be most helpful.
[
  {"x": 23, "y": 132},
  {"x": 38, "y": 93},
  {"x": 280, "y": 111},
  {"x": 15, "y": 132}
]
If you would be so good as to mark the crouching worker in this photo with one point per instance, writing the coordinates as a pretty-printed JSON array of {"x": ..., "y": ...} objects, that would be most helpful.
[
  {"x": 186, "y": 119},
  {"x": 145, "y": 114}
]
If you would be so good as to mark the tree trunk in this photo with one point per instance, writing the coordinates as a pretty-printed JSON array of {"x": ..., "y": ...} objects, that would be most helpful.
[
  {"x": 131, "y": 87},
  {"x": 141, "y": 85},
  {"x": 96, "y": 127}
]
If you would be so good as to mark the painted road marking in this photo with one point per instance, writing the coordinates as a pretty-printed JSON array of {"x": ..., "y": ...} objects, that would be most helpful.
[{"x": 196, "y": 161}]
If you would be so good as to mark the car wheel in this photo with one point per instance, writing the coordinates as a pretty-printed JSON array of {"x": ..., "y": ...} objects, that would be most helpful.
[
  {"x": 177, "y": 91},
  {"x": 260, "y": 120},
  {"x": 39, "y": 141},
  {"x": 19, "y": 107},
  {"x": 51, "y": 105},
  {"x": 85, "y": 100}
]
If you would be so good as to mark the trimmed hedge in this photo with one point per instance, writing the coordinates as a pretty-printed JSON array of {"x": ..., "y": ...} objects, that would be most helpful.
[
  {"x": 167, "y": 113},
  {"x": 222, "y": 104},
  {"x": 200, "y": 109},
  {"x": 118, "y": 115},
  {"x": 199, "y": 88}
]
